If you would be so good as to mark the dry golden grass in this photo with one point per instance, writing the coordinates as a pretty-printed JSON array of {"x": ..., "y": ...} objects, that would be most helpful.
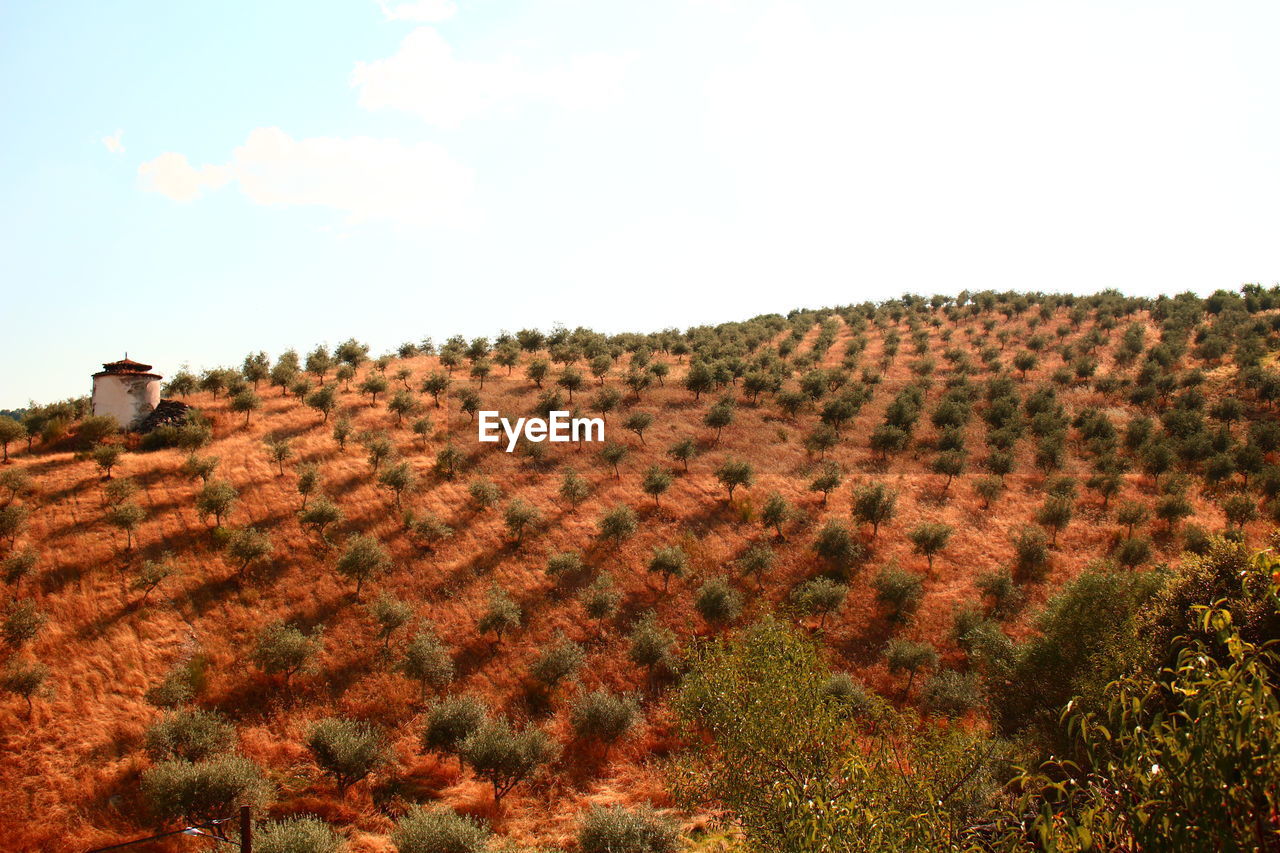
[{"x": 72, "y": 769}]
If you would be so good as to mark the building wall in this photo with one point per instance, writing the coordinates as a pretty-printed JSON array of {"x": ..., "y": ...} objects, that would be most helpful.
[{"x": 126, "y": 398}]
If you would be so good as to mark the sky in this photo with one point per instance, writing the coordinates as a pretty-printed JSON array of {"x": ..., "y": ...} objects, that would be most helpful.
[{"x": 189, "y": 182}]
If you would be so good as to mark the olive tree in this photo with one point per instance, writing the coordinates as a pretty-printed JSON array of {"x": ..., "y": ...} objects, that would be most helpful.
[
  {"x": 450, "y": 722},
  {"x": 282, "y": 649},
  {"x": 247, "y": 546},
  {"x": 504, "y": 756},
  {"x": 363, "y": 559},
  {"x": 819, "y": 597},
  {"x": 297, "y": 834},
  {"x": 603, "y": 717},
  {"x": 10, "y": 431},
  {"x": 734, "y": 473},
  {"x": 930, "y": 538},
  {"x": 439, "y": 830},
  {"x": 617, "y": 829},
  {"x": 618, "y": 524},
  {"x": 717, "y": 602},
  {"x": 218, "y": 498},
  {"x": 502, "y": 614},
  {"x": 670, "y": 561},
  {"x": 874, "y": 504},
  {"x": 347, "y": 750}
]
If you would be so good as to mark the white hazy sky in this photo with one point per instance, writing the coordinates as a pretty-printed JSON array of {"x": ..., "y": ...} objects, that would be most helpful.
[{"x": 192, "y": 181}]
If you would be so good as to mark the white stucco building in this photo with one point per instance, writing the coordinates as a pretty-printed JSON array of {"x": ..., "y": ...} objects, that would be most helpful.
[{"x": 126, "y": 390}]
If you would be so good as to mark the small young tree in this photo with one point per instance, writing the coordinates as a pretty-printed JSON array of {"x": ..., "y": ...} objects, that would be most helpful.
[
  {"x": 874, "y": 504},
  {"x": 106, "y": 457},
  {"x": 379, "y": 450},
  {"x": 950, "y": 464},
  {"x": 324, "y": 400},
  {"x": 403, "y": 405},
  {"x": 682, "y": 451},
  {"x": 505, "y": 757},
  {"x": 247, "y": 546},
  {"x": 297, "y": 834},
  {"x": 717, "y": 602},
  {"x": 390, "y": 614},
  {"x": 127, "y": 516},
  {"x": 1239, "y": 510},
  {"x": 308, "y": 481},
  {"x": 670, "y": 561},
  {"x": 1131, "y": 514},
  {"x": 537, "y": 370},
  {"x": 282, "y": 649},
  {"x": 25, "y": 679},
  {"x": 373, "y": 385},
  {"x": 1031, "y": 550},
  {"x": 191, "y": 734},
  {"x": 757, "y": 561},
  {"x": 618, "y": 524},
  {"x": 988, "y": 488},
  {"x": 600, "y": 600},
  {"x": 399, "y": 479},
  {"x": 899, "y": 591},
  {"x": 217, "y": 498},
  {"x": 573, "y": 488},
  {"x": 280, "y": 450},
  {"x": 14, "y": 482},
  {"x": 718, "y": 417},
  {"x": 450, "y": 722},
  {"x": 321, "y": 514},
  {"x": 819, "y": 597},
  {"x": 733, "y": 473},
  {"x": 651, "y": 645},
  {"x": 828, "y": 480},
  {"x": 347, "y": 750},
  {"x": 198, "y": 791},
  {"x": 930, "y": 538},
  {"x": 603, "y": 717},
  {"x": 363, "y": 559},
  {"x": 439, "y": 830},
  {"x": 342, "y": 432},
  {"x": 571, "y": 380},
  {"x": 10, "y": 431},
  {"x": 617, "y": 829},
  {"x": 565, "y": 564},
  {"x": 656, "y": 482},
  {"x": 520, "y": 517},
  {"x": 13, "y": 520},
  {"x": 484, "y": 494},
  {"x": 18, "y": 565},
  {"x": 435, "y": 384},
  {"x": 909, "y": 657},
  {"x": 1055, "y": 513},
  {"x": 836, "y": 544},
  {"x": 558, "y": 661},
  {"x": 638, "y": 422},
  {"x": 775, "y": 512},
  {"x": 22, "y": 622},
  {"x": 449, "y": 460},
  {"x": 502, "y": 615},
  {"x": 246, "y": 403},
  {"x": 613, "y": 454}
]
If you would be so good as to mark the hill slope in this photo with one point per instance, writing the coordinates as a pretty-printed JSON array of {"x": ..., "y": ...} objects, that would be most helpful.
[{"x": 73, "y": 767}]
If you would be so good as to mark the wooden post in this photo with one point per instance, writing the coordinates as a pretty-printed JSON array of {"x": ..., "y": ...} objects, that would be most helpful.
[{"x": 246, "y": 830}]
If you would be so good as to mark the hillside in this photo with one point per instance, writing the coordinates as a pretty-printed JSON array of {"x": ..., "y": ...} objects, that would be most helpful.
[{"x": 1114, "y": 377}]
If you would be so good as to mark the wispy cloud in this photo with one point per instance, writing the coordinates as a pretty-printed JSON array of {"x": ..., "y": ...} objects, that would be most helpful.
[
  {"x": 115, "y": 142},
  {"x": 425, "y": 78},
  {"x": 368, "y": 179}
]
